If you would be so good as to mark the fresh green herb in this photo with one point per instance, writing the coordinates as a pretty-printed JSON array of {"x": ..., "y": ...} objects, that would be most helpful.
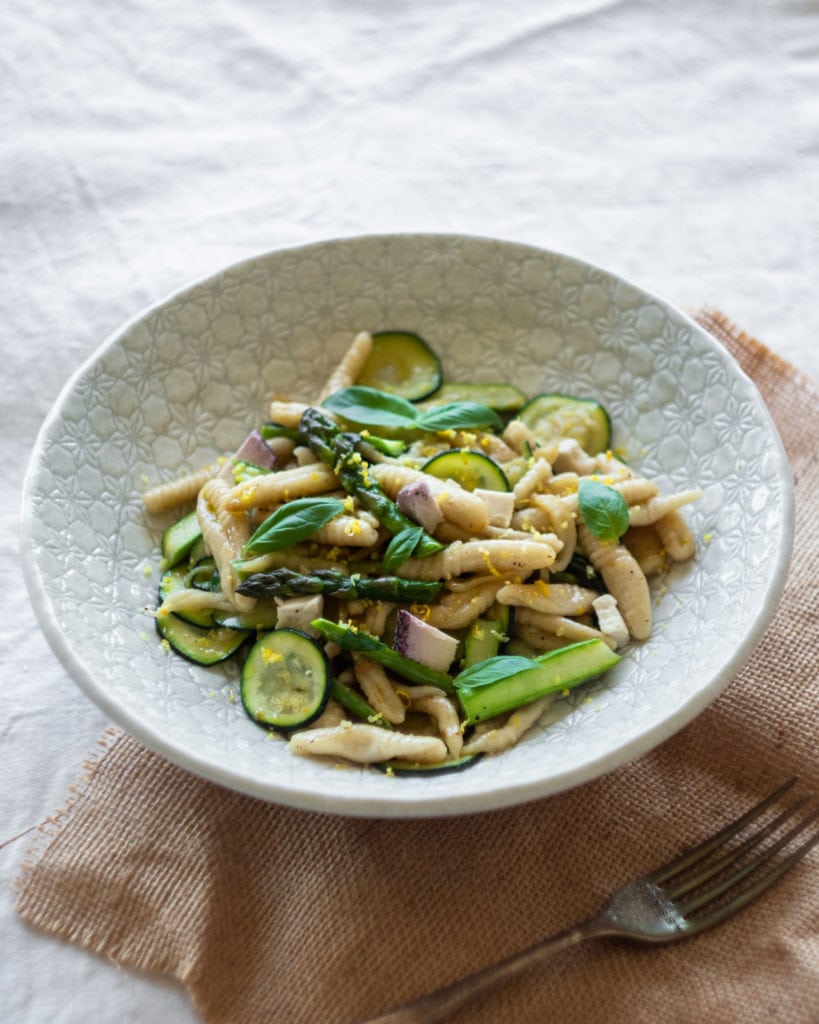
[
  {"x": 604, "y": 510},
  {"x": 292, "y": 523},
  {"x": 483, "y": 673},
  {"x": 401, "y": 547},
  {"x": 459, "y": 416},
  {"x": 370, "y": 407}
]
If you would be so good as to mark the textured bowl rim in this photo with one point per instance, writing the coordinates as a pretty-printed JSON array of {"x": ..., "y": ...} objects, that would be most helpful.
[{"x": 429, "y": 805}]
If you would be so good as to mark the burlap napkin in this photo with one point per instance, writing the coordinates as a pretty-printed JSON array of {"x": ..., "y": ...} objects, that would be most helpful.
[{"x": 279, "y": 916}]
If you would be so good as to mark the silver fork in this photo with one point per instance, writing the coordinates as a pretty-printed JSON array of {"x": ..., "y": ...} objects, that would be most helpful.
[{"x": 699, "y": 889}]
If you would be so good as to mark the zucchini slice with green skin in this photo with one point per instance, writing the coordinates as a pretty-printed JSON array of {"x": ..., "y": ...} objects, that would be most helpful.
[
  {"x": 176, "y": 579},
  {"x": 202, "y": 646},
  {"x": 553, "y": 415},
  {"x": 286, "y": 680},
  {"x": 203, "y": 575},
  {"x": 500, "y": 397},
  {"x": 550, "y": 673},
  {"x": 261, "y": 618},
  {"x": 457, "y": 764},
  {"x": 179, "y": 538},
  {"x": 401, "y": 363},
  {"x": 469, "y": 469},
  {"x": 482, "y": 641}
]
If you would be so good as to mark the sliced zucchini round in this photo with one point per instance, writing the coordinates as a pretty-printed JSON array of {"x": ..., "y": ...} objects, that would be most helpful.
[
  {"x": 500, "y": 397},
  {"x": 401, "y": 363},
  {"x": 203, "y": 575},
  {"x": 469, "y": 469},
  {"x": 397, "y": 767},
  {"x": 286, "y": 679},
  {"x": 262, "y": 616},
  {"x": 553, "y": 415},
  {"x": 176, "y": 579},
  {"x": 179, "y": 538},
  {"x": 203, "y": 646}
]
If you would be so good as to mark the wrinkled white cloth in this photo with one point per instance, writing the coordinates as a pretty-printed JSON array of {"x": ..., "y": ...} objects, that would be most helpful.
[{"x": 146, "y": 144}]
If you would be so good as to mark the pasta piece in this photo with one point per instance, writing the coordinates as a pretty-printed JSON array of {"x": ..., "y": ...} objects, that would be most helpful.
[
  {"x": 350, "y": 366},
  {"x": 519, "y": 437},
  {"x": 503, "y": 737},
  {"x": 563, "y": 484},
  {"x": 282, "y": 448},
  {"x": 332, "y": 715},
  {"x": 180, "y": 491},
  {"x": 552, "y": 598},
  {"x": 566, "y": 629},
  {"x": 225, "y": 535},
  {"x": 609, "y": 465},
  {"x": 645, "y": 544},
  {"x": 275, "y": 488},
  {"x": 458, "y": 609},
  {"x": 379, "y": 689},
  {"x": 359, "y": 531},
  {"x": 562, "y": 522},
  {"x": 441, "y": 709},
  {"x": 375, "y": 617},
  {"x": 190, "y": 599},
  {"x": 532, "y": 480},
  {"x": 634, "y": 489},
  {"x": 571, "y": 458},
  {"x": 368, "y": 744},
  {"x": 304, "y": 456},
  {"x": 457, "y": 505},
  {"x": 300, "y": 558},
  {"x": 656, "y": 508},
  {"x": 287, "y": 413},
  {"x": 502, "y": 558},
  {"x": 624, "y": 579},
  {"x": 676, "y": 536}
]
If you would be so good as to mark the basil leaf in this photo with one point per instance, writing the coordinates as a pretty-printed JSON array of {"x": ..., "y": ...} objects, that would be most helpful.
[
  {"x": 603, "y": 509},
  {"x": 490, "y": 671},
  {"x": 292, "y": 523},
  {"x": 401, "y": 547},
  {"x": 459, "y": 416},
  {"x": 372, "y": 408}
]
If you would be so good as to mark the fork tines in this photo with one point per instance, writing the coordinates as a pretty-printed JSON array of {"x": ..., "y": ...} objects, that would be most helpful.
[{"x": 730, "y": 868}]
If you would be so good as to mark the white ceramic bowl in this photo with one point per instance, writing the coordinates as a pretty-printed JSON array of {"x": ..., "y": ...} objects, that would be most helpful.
[{"x": 187, "y": 379}]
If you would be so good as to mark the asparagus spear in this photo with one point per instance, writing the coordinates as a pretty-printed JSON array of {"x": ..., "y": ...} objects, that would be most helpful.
[
  {"x": 335, "y": 583},
  {"x": 341, "y": 451},
  {"x": 352, "y": 639},
  {"x": 354, "y": 703}
]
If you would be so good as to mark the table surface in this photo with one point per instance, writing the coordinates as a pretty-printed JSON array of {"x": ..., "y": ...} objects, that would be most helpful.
[{"x": 147, "y": 145}]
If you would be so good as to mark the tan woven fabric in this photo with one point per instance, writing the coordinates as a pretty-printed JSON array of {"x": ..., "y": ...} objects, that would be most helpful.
[{"x": 285, "y": 917}]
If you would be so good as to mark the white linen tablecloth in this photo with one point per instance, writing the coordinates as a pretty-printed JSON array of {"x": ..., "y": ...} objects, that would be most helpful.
[{"x": 146, "y": 144}]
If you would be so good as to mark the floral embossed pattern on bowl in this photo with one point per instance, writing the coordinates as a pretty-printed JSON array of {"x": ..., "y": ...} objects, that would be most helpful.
[{"x": 185, "y": 380}]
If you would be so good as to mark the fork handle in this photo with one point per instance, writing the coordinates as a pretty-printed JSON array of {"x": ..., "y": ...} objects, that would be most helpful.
[{"x": 438, "y": 1005}]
